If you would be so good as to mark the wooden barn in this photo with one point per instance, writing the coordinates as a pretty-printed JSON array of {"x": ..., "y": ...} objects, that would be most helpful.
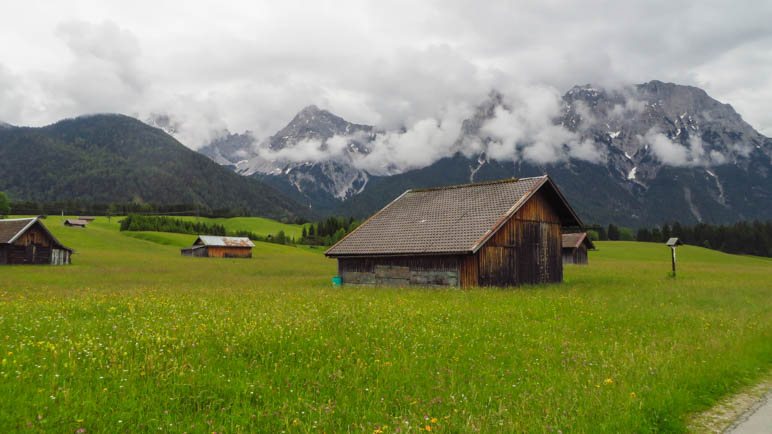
[
  {"x": 87, "y": 219},
  {"x": 575, "y": 247},
  {"x": 209, "y": 246},
  {"x": 28, "y": 241},
  {"x": 76, "y": 223},
  {"x": 502, "y": 233}
]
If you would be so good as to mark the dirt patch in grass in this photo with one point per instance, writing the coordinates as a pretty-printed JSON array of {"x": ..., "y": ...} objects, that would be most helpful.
[{"x": 723, "y": 415}]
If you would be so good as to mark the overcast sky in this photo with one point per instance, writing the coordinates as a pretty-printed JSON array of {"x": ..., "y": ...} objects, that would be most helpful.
[{"x": 253, "y": 65}]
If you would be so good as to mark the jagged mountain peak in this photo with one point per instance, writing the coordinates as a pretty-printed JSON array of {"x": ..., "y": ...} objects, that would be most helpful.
[
  {"x": 314, "y": 123},
  {"x": 311, "y": 109}
]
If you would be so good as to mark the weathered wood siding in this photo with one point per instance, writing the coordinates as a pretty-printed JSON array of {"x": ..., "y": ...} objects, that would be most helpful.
[
  {"x": 575, "y": 255},
  {"x": 526, "y": 249},
  {"x": 229, "y": 252},
  {"x": 60, "y": 257},
  {"x": 469, "y": 272},
  {"x": 195, "y": 253},
  {"x": 400, "y": 270},
  {"x": 34, "y": 235}
]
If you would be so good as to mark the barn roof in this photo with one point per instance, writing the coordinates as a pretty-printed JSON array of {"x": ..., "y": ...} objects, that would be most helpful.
[
  {"x": 447, "y": 220},
  {"x": 217, "y": 241},
  {"x": 76, "y": 222},
  {"x": 11, "y": 229},
  {"x": 575, "y": 240}
]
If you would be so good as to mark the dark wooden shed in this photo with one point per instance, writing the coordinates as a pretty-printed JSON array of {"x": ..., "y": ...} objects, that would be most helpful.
[
  {"x": 28, "y": 241},
  {"x": 209, "y": 246},
  {"x": 575, "y": 247},
  {"x": 76, "y": 223},
  {"x": 502, "y": 233}
]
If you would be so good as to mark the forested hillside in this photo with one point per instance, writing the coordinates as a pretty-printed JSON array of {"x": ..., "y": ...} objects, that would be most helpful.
[{"x": 115, "y": 158}]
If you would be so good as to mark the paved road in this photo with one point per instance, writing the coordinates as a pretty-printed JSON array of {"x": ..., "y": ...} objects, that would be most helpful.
[{"x": 757, "y": 420}]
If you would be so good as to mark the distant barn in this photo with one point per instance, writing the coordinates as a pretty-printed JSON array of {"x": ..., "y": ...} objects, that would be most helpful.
[
  {"x": 575, "y": 247},
  {"x": 28, "y": 241},
  {"x": 503, "y": 233},
  {"x": 86, "y": 219},
  {"x": 76, "y": 222},
  {"x": 208, "y": 246}
]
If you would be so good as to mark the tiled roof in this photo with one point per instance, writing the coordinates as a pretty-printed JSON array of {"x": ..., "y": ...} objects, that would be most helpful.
[
  {"x": 211, "y": 240},
  {"x": 575, "y": 240},
  {"x": 439, "y": 220},
  {"x": 10, "y": 228}
]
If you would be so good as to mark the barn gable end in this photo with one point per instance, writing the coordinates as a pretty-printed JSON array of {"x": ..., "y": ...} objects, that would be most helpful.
[{"x": 28, "y": 241}]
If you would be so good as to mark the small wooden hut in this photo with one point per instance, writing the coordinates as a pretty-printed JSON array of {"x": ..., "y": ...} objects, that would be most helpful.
[
  {"x": 208, "y": 246},
  {"x": 575, "y": 247},
  {"x": 28, "y": 241},
  {"x": 87, "y": 219},
  {"x": 76, "y": 223},
  {"x": 502, "y": 233}
]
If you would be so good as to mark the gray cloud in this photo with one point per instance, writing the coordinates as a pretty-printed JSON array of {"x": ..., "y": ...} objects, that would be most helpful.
[
  {"x": 526, "y": 129},
  {"x": 253, "y": 65},
  {"x": 676, "y": 154}
]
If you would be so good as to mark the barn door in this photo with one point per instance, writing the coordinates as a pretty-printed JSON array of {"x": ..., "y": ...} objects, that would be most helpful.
[{"x": 528, "y": 253}]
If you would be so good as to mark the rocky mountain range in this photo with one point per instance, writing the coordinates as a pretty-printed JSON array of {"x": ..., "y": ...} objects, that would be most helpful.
[{"x": 659, "y": 152}]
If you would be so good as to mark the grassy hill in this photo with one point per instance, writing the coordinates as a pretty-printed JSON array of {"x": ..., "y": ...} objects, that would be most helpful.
[
  {"x": 115, "y": 158},
  {"x": 257, "y": 225},
  {"x": 134, "y": 337}
]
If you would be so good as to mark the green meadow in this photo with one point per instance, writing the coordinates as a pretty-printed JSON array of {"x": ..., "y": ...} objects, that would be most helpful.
[{"x": 133, "y": 337}]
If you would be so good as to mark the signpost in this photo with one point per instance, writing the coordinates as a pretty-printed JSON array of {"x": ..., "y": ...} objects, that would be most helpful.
[{"x": 673, "y": 243}]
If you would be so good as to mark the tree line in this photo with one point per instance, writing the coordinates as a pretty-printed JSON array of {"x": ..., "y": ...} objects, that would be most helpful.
[
  {"x": 136, "y": 222},
  {"x": 75, "y": 207},
  {"x": 328, "y": 232},
  {"x": 749, "y": 238}
]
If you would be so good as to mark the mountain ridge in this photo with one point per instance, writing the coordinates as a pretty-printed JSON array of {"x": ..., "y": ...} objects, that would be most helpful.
[{"x": 117, "y": 158}]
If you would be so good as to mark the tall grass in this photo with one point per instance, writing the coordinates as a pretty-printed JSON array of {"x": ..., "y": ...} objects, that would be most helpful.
[{"x": 134, "y": 337}]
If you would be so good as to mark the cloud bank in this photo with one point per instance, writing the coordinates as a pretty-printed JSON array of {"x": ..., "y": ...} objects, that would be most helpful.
[{"x": 252, "y": 65}]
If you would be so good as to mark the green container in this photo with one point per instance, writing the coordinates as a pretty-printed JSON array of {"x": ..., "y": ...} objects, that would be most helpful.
[{"x": 336, "y": 281}]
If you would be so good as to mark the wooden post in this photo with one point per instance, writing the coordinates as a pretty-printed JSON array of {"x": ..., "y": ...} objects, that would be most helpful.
[{"x": 672, "y": 250}]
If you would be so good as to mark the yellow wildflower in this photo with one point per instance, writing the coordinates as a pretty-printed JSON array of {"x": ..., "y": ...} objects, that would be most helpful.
[{"x": 608, "y": 381}]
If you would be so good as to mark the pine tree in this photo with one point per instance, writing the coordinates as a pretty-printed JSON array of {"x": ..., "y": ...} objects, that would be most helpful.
[
  {"x": 613, "y": 232},
  {"x": 666, "y": 233}
]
